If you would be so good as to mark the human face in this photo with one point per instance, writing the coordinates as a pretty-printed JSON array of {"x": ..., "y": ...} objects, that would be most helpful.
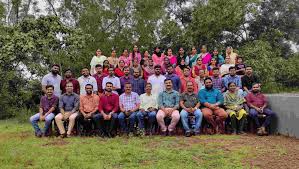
[
  {"x": 232, "y": 87},
  {"x": 169, "y": 52},
  {"x": 148, "y": 88},
  {"x": 166, "y": 60},
  {"x": 248, "y": 70},
  {"x": 168, "y": 84},
  {"x": 182, "y": 62},
  {"x": 85, "y": 72},
  {"x": 232, "y": 72},
  {"x": 186, "y": 72},
  {"x": 157, "y": 71},
  {"x": 239, "y": 60},
  {"x": 227, "y": 60},
  {"x": 126, "y": 53},
  {"x": 55, "y": 70},
  {"x": 113, "y": 53},
  {"x": 69, "y": 87},
  {"x": 126, "y": 71},
  {"x": 256, "y": 88},
  {"x": 106, "y": 63},
  {"x": 135, "y": 62},
  {"x": 213, "y": 61},
  {"x": 201, "y": 73},
  {"x": 98, "y": 52},
  {"x": 199, "y": 61},
  {"x": 228, "y": 50},
  {"x": 150, "y": 62},
  {"x": 193, "y": 51},
  {"x": 203, "y": 49},
  {"x": 190, "y": 87},
  {"x": 111, "y": 71},
  {"x": 68, "y": 74},
  {"x": 208, "y": 84},
  {"x": 216, "y": 73},
  {"x": 128, "y": 88},
  {"x": 170, "y": 70},
  {"x": 136, "y": 73},
  {"x": 49, "y": 91},
  {"x": 157, "y": 50},
  {"x": 99, "y": 70},
  {"x": 109, "y": 87},
  {"x": 88, "y": 90},
  {"x": 135, "y": 49},
  {"x": 121, "y": 63},
  {"x": 215, "y": 52},
  {"x": 181, "y": 51},
  {"x": 146, "y": 54}
]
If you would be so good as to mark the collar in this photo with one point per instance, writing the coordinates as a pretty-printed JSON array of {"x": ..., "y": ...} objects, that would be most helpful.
[{"x": 168, "y": 91}]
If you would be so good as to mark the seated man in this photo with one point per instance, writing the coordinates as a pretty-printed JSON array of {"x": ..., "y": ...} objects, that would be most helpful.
[
  {"x": 168, "y": 103},
  {"x": 129, "y": 104},
  {"x": 68, "y": 106},
  {"x": 48, "y": 105},
  {"x": 190, "y": 106},
  {"x": 233, "y": 102},
  {"x": 88, "y": 107},
  {"x": 211, "y": 99},
  {"x": 149, "y": 106},
  {"x": 108, "y": 108},
  {"x": 258, "y": 106}
]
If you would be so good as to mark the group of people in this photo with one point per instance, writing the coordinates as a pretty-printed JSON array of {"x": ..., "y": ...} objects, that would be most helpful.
[{"x": 135, "y": 87}]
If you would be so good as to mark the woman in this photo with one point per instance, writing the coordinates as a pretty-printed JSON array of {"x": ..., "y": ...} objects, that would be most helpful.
[
  {"x": 135, "y": 54},
  {"x": 158, "y": 56},
  {"x": 211, "y": 66},
  {"x": 205, "y": 55},
  {"x": 233, "y": 101},
  {"x": 106, "y": 66},
  {"x": 197, "y": 67},
  {"x": 125, "y": 57},
  {"x": 97, "y": 59},
  {"x": 165, "y": 64},
  {"x": 182, "y": 55},
  {"x": 144, "y": 60},
  {"x": 149, "y": 69},
  {"x": 179, "y": 70},
  {"x": 171, "y": 57},
  {"x": 193, "y": 57},
  {"x": 230, "y": 53},
  {"x": 218, "y": 57},
  {"x": 119, "y": 71},
  {"x": 113, "y": 60}
]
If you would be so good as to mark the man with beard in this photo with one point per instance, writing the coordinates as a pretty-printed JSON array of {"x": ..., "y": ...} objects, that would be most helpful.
[
  {"x": 125, "y": 79},
  {"x": 157, "y": 80},
  {"x": 99, "y": 76},
  {"x": 187, "y": 78},
  {"x": 211, "y": 99},
  {"x": 113, "y": 79},
  {"x": 47, "y": 108},
  {"x": 87, "y": 79},
  {"x": 68, "y": 77},
  {"x": 217, "y": 80},
  {"x": 259, "y": 106},
  {"x": 68, "y": 106},
  {"x": 108, "y": 108},
  {"x": 53, "y": 78},
  {"x": 88, "y": 107},
  {"x": 138, "y": 83},
  {"x": 174, "y": 78},
  {"x": 168, "y": 103},
  {"x": 248, "y": 79}
]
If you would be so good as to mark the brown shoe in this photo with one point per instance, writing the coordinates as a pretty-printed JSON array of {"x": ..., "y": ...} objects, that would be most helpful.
[
  {"x": 259, "y": 131},
  {"x": 264, "y": 132}
]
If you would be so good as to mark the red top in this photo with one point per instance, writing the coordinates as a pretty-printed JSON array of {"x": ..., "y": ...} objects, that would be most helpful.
[
  {"x": 184, "y": 84},
  {"x": 198, "y": 68},
  {"x": 257, "y": 100},
  {"x": 109, "y": 103},
  {"x": 118, "y": 72},
  {"x": 75, "y": 82}
]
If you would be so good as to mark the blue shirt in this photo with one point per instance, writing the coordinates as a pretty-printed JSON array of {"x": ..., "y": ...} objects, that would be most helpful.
[
  {"x": 138, "y": 85},
  {"x": 69, "y": 103},
  {"x": 169, "y": 99},
  {"x": 211, "y": 96},
  {"x": 236, "y": 79},
  {"x": 176, "y": 82}
]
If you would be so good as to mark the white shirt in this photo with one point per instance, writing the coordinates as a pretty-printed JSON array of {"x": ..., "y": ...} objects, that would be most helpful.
[
  {"x": 157, "y": 83},
  {"x": 224, "y": 68},
  {"x": 83, "y": 81},
  {"x": 148, "y": 101},
  {"x": 50, "y": 79},
  {"x": 114, "y": 80}
]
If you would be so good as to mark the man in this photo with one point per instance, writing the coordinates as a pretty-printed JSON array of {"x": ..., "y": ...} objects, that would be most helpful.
[
  {"x": 68, "y": 106},
  {"x": 99, "y": 76},
  {"x": 224, "y": 68},
  {"x": 88, "y": 107},
  {"x": 108, "y": 109},
  {"x": 149, "y": 106},
  {"x": 113, "y": 79},
  {"x": 217, "y": 80},
  {"x": 211, "y": 99},
  {"x": 47, "y": 108},
  {"x": 232, "y": 77},
  {"x": 248, "y": 79},
  {"x": 190, "y": 106},
  {"x": 174, "y": 78},
  {"x": 259, "y": 106},
  {"x": 168, "y": 103},
  {"x": 87, "y": 79},
  {"x": 138, "y": 83},
  {"x": 125, "y": 79},
  {"x": 157, "y": 80},
  {"x": 68, "y": 77},
  {"x": 129, "y": 103},
  {"x": 187, "y": 78},
  {"x": 199, "y": 79},
  {"x": 53, "y": 78}
]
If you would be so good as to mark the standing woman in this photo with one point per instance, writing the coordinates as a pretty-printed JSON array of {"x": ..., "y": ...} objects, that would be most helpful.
[
  {"x": 106, "y": 66},
  {"x": 135, "y": 54},
  {"x": 125, "y": 57},
  {"x": 179, "y": 70},
  {"x": 199, "y": 66},
  {"x": 144, "y": 60},
  {"x": 97, "y": 59},
  {"x": 158, "y": 56},
  {"x": 182, "y": 56},
  {"x": 231, "y": 54},
  {"x": 211, "y": 66},
  {"x": 205, "y": 55},
  {"x": 119, "y": 70},
  {"x": 218, "y": 57},
  {"x": 193, "y": 57},
  {"x": 171, "y": 57},
  {"x": 164, "y": 66},
  {"x": 113, "y": 60}
]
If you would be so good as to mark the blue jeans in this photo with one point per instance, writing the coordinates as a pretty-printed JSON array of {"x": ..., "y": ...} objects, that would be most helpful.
[
  {"x": 254, "y": 115},
  {"x": 198, "y": 119},
  {"x": 132, "y": 120},
  {"x": 48, "y": 121}
]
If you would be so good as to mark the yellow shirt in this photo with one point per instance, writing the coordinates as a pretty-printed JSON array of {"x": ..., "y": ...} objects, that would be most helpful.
[{"x": 148, "y": 101}]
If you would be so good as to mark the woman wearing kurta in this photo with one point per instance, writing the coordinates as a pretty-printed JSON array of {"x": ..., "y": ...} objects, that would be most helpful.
[
  {"x": 97, "y": 59},
  {"x": 199, "y": 66},
  {"x": 193, "y": 57},
  {"x": 164, "y": 65},
  {"x": 171, "y": 57},
  {"x": 211, "y": 66},
  {"x": 158, "y": 56},
  {"x": 106, "y": 66},
  {"x": 233, "y": 101},
  {"x": 119, "y": 71},
  {"x": 144, "y": 60},
  {"x": 125, "y": 57},
  {"x": 219, "y": 58},
  {"x": 230, "y": 53},
  {"x": 205, "y": 55},
  {"x": 182, "y": 55},
  {"x": 179, "y": 70},
  {"x": 135, "y": 54},
  {"x": 113, "y": 59}
]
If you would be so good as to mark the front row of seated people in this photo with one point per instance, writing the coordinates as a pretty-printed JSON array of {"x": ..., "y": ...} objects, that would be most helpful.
[{"x": 129, "y": 109}]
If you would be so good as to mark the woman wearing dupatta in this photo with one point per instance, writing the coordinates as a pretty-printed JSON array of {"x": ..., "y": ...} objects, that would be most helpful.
[
  {"x": 193, "y": 57},
  {"x": 233, "y": 101}
]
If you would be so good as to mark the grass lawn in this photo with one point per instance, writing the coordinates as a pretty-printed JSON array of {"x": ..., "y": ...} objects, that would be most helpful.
[{"x": 20, "y": 149}]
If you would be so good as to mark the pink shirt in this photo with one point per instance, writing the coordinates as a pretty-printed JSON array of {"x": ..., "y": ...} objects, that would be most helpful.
[
  {"x": 158, "y": 60},
  {"x": 127, "y": 60},
  {"x": 172, "y": 60},
  {"x": 138, "y": 55},
  {"x": 206, "y": 58}
]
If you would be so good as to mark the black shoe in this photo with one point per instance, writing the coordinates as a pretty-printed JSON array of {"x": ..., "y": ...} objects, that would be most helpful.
[
  {"x": 109, "y": 135},
  {"x": 171, "y": 133},
  {"x": 163, "y": 133},
  {"x": 188, "y": 134},
  {"x": 39, "y": 135}
]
